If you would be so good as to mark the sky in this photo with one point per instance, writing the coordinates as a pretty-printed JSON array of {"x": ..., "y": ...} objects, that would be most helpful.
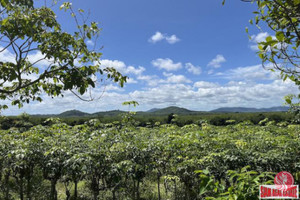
[{"x": 192, "y": 54}]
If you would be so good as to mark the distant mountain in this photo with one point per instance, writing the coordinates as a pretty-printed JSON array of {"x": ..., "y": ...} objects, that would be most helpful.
[
  {"x": 172, "y": 109},
  {"x": 73, "y": 113},
  {"x": 108, "y": 113},
  {"x": 243, "y": 109},
  {"x": 153, "y": 110},
  {"x": 165, "y": 111}
]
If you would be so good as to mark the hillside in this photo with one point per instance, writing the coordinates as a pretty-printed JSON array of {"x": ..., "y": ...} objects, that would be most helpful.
[
  {"x": 243, "y": 109},
  {"x": 166, "y": 111},
  {"x": 172, "y": 109},
  {"x": 73, "y": 113},
  {"x": 108, "y": 113}
]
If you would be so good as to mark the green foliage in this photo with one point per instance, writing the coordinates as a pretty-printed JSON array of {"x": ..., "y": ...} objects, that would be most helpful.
[
  {"x": 244, "y": 185},
  {"x": 122, "y": 161},
  {"x": 27, "y": 28},
  {"x": 282, "y": 16}
]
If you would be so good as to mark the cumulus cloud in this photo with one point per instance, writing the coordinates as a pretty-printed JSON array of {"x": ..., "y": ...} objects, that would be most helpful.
[
  {"x": 158, "y": 36},
  {"x": 255, "y": 39},
  {"x": 122, "y": 67},
  {"x": 251, "y": 73},
  {"x": 211, "y": 71},
  {"x": 204, "y": 84},
  {"x": 172, "y": 78},
  {"x": 90, "y": 43},
  {"x": 40, "y": 60},
  {"x": 166, "y": 64},
  {"x": 193, "y": 69},
  {"x": 199, "y": 96},
  {"x": 217, "y": 61},
  {"x": 151, "y": 80},
  {"x": 7, "y": 56},
  {"x": 209, "y": 95},
  {"x": 172, "y": 39}
]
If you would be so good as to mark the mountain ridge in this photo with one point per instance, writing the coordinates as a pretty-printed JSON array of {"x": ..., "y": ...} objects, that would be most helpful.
[{"x": 165, "y": 111}]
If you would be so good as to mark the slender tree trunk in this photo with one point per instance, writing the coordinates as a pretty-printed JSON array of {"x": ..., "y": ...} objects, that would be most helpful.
[
  {"x": 21, "y": 190},
  {"x": 28, "y": 189},
  {"x": 134, "y": 190},
  {"x": 53, "y": 192},
  {"x": 138, "y": 190},
  {"x": 68, "y": 193},
  {"x": 114, "y": 195},
  {"x": 75, "y": 190},
  {"x": 29, "y": 183},
  {"x": 95, "y": 188},
  {"x": 95, "y": 195},
  {"x": 158, "y": 185},
  {"x": 166, "y": 187},
  {"x": 175, "y": 189},
  {"x": 6, "y": 183}
]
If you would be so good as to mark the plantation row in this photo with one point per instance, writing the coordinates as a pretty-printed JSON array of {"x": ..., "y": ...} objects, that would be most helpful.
[{"x": 98, "y": 161}]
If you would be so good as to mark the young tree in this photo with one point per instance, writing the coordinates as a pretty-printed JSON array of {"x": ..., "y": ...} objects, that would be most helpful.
[{"x": 38, "y": 56}]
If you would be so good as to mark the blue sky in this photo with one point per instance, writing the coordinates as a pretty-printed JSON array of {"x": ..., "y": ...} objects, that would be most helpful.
[{"x": 193, "y": 54}]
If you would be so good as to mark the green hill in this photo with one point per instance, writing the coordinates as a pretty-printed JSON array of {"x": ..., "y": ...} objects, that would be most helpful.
[
  {"x": 171, "y": 109},
  {"x": 73, "y": 113}
]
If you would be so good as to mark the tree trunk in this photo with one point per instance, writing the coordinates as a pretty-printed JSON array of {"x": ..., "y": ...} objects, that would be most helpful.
[
  {"x": 53, "y": 192},
  {"x": 29, "y": 183},
  {"x": 95, "y": 188},
  {"x": 114, "y": 195},
  {"x": 95, "y": 195},
  {"x": 28, "y": 189},
  {"x": 134, "y": 190},
  {"x": 68, "y": 195},
  {"x": 21, "y": 189},
  {"x": 75, "y": 190},
  {"x": 6, "y": 183},
  {"x": 166, "y": 187},
  {"x": 175, "y": 189},
  {"x": 138, "y": 190},
  {"x": 158, "y": 185}
]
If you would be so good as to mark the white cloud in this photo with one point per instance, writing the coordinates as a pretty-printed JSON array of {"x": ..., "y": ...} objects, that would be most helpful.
[
  {"x": 201, "y": 96},
  {"x": 36, "y": 58},
  {"x": 217, "y": 61},
  {"x": 251, "y": 73},
  {"x": 193, "y": 69},
  {"x": 172, "y": 39},
  {"x": 255, "y": 39},
  {"x": 7, "y": 56},
  {"x": 122, "y": 67},
  {"x": 158, "y": 36},
  {"x": 112, "y": 87},
  {"x": 204, "y": 84},
  {"x": 131, "y": 81},
  {"x": 210, "y": 95},
  {"x": 166, "y": 64},
  {"x": 40, "y": 60},
  {"x": 151, "y": 80},
  {"x": 90, "y": 43},
  {"x": 171, "y": 78},
  {"x": 211, "y": 71}
]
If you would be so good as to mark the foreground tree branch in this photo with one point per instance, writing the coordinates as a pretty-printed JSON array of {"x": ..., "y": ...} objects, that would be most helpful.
[{"x": 31, "y": 37}]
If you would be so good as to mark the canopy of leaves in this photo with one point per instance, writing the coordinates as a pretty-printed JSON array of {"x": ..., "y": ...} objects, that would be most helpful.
[{"x": 28, "y": 28}]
